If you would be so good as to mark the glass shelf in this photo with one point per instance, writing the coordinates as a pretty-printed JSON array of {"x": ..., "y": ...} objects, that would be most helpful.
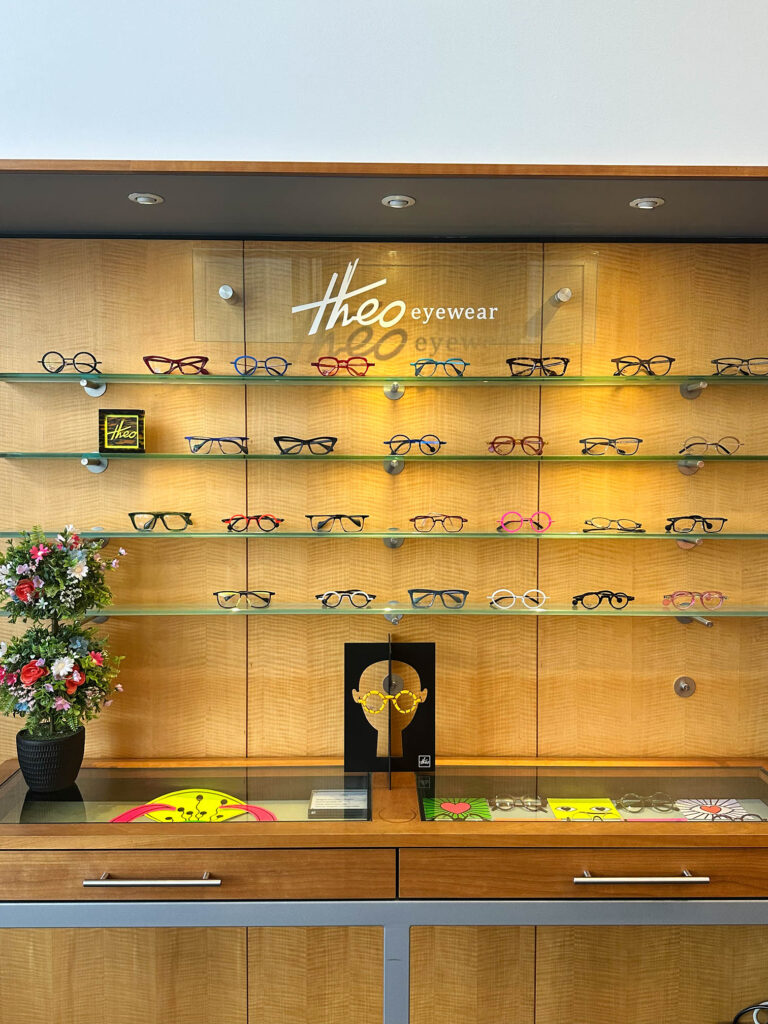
[
  {"x": 394, "y": 534},
  {"x": 377, "y": 381},
  {"x": 547, "y": 794},
  {"x": 385, "y": 457},
  {"x": 393, "y": 608},
  {"x": 209, "y": 795}
]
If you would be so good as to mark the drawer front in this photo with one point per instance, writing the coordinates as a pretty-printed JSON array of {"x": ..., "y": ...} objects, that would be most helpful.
[
  {"x": 243, "y": 874},
  {"x": 551, "y": 874}
]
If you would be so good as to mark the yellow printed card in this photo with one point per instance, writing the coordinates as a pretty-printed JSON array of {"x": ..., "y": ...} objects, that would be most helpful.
[{"x": 597, "y": 809}]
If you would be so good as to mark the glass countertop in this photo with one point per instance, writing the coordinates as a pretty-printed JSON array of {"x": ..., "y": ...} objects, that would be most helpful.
[
  {"x": 528, "y": 793},
  {"x": 215, "y": 795}
]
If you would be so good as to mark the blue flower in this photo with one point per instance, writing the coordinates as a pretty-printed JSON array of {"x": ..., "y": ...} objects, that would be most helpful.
[
  {"x": 22, "y": 706},
  {"x": 79, "y": 644}
]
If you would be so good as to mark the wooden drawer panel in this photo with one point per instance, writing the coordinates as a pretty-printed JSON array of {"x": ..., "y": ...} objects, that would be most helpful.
[
  {"x": 549, "y": 874},
  {"x": 244, "y": 874}
]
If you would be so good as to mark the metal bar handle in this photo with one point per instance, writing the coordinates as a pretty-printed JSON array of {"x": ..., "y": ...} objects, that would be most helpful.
[
  {"x": 107, "y": 880},
  {"x": 686, "y": 878}
]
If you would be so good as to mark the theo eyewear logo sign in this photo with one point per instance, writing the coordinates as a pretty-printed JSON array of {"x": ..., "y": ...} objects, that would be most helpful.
[
  {"x": 371, "y": 311},
  {"x": 121, "y": 430}
]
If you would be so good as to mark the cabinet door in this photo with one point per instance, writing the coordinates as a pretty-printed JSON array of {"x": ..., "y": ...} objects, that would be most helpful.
[
  {"x": 315, "y": 975},
  {"x": 123, "y": 975},
  {"x": 473, "y": 975},
  {"x": 649, "y": 974}
]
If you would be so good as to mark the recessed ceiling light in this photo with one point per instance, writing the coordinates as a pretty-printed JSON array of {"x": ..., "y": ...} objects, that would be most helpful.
[
  {"x": 146, "y": 198},
  {"x": 647, "y": 203},
  {"x": 397, "y": 202}
]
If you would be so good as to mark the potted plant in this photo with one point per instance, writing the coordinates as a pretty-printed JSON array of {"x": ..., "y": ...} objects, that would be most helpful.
[{"x": 58, "y": 674}]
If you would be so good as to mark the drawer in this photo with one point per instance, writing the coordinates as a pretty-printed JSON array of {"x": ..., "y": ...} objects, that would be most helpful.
[
  {"x": 550, "y": 874},
  {"x": 243, "y": 874}
]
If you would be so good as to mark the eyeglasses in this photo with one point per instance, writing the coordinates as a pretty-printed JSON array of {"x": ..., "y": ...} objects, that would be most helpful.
[
  {"x": 505, "y": 599},
  {"x": 374, "y": 701},
  {"x": 687, "y": 524},
  {"x": 655, "y": 366},
  {"x": 240, "y": 523},
  {"x": 710, "y": 599},
  {"x": 622, "y": 525},
  {"x": 356, "y": 366},
  {"x": 176, "y": 522},
  {"x": 755, "y": 367},
  {"x": 513, "y": 521},
  {"x": 634, "y": 803},
  {"x": 524, "y": 366},
  {"x": 325, "y": 523},
  {"x": 699, "y": 445},
  {"x": 234, "y": 445},
  {"x": 502, "y": 445},
  {"x": 399, "y": 444},
  {"x": 509, "y": 803},
  {"x": 594, "y": 598},
  {"x": 421, "y": 598},
  {"x": 250, "y": 598},
  {"x": 296, "y": 445},
  {"x": 83, "y": 362},
  {"x": 425, "y": 524},
  {"x": 274, "y": 366},
  {"x": 333, "y": 598},
  {"x": 187, "y": 364},
  {"x": 600, "y": 445},
  {"x": 451, "y": 367}
]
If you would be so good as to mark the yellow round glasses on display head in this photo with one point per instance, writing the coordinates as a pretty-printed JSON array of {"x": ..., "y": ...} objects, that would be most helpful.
[{"x": 374, "y": 701}]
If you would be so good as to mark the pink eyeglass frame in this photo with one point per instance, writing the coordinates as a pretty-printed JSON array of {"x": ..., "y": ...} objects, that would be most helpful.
[
  {"x": 515, "y": 528},
  {"x": 669, "y": 599}
]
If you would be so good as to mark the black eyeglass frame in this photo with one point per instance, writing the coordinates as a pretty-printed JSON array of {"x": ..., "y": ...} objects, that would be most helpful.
[
  {"x": 602, "y": 595},
  {"x": 336, "y": 518},
  {"x": 429, "y": 592},
  {"x": 160, "y": 516},
  {"x": 305, "y": 443}
]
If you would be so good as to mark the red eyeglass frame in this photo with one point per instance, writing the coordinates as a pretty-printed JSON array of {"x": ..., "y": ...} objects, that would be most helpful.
[
  {"x": 199, "y": 362},
  {"x": 249, "y": 519},
  {"x": 335, "y": 364}
]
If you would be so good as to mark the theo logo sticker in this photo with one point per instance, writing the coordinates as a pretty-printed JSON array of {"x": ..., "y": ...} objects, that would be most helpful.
[{"x": 425, "y": 760}]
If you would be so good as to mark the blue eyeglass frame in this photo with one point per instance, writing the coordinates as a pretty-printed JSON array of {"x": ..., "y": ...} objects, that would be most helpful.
[
  {"x": 456, "y": 362},
  {"x": 257, "y": 363}
]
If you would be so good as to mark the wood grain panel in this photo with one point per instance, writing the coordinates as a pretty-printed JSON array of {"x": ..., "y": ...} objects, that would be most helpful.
[
  {"x": 314, "y": 975},
  {"x": 548, "y": 874},
  {"x": 175, "y": 975},
  {"x": 681, "y": 974},
  {"x": 245, "y": 874},
  {"x": 475, "y": 975}
]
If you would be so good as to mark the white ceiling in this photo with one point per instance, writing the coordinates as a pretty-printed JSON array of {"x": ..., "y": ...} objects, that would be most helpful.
[{"x": 471, "y": 81}]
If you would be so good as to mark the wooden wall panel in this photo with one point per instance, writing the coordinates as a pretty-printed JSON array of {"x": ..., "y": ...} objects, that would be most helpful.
[
  {"x": 314, "y": 975},
  {"x": 134, "y": 975},
  {"x": 505, "y": 686},
  {"x": 473, "y": 975},
  {"x": 686, "y": 975}
]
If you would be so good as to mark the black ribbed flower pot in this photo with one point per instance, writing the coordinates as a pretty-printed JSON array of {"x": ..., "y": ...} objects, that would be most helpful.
[{"x": 51, "y": 763}]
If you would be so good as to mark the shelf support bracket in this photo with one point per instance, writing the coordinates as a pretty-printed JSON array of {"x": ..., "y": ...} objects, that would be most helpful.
[
  {"x": 94, "y": 464},
  {"x": 686, "y": 620},
  {"x": 689, "y": 545},
  {"x": 393, "y": 466},
  {"x": 393, "y": 613},
  {"x": 692, "y": 389},
  {"x": 394, "y": 541},
  {"x": 92, "y": 389},
  {"x": 689, "y": 467},
  {"x": 394, "y": 391}
]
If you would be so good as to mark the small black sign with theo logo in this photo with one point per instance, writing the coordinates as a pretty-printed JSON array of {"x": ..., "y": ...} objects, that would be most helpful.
[{"x": 121, "y": 430}]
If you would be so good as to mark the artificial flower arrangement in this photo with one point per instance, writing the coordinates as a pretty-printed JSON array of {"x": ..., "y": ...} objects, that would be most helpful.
[{"x": 61, "y": 674}]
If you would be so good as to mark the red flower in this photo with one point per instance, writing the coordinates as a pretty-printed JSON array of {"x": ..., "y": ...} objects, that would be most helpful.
[
  {"x": 77, "y": 678},
  {"x": 74, "y": 541},
  {"x": 24, "y": 590},
  {"x": 31, "y": 672},
  {"x": 96, "y": 657}
]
